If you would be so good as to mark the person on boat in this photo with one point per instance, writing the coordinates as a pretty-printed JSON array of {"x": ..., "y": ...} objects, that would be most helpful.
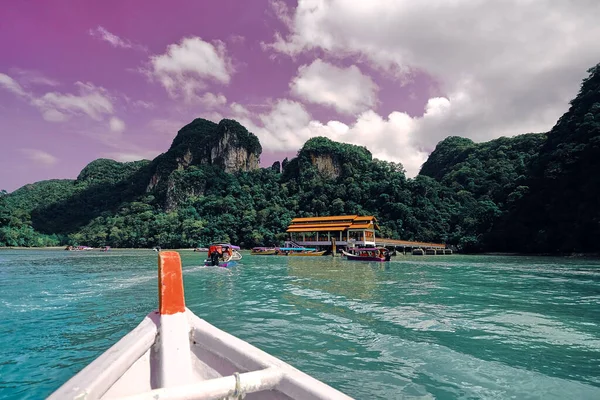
[
  {"x": 214, "y": 254},
  {"x": 227, "y": 254}
]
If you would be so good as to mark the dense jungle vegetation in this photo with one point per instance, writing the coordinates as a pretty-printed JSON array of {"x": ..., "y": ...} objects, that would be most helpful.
[{"x": 528, "y": 193}]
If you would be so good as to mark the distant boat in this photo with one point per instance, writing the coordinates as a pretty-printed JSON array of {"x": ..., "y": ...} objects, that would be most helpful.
[
  {"x": 79, "y": 248},
  {"x": 299, "y": 252},
  {"x": 105, "y": 248},
  {"x": 201, "y": 249},
  {"x": 156, "y": 248},
  {"x": 263, "y": 251},
  {"x": 378, "y": 254},
  {"x": 176, "y": 355},
  {"x": 223, "y": 255}
]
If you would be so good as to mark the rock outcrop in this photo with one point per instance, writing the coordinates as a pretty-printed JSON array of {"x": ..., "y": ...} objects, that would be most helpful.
[
  {"x": 228, "y": 146},
  {"x": 235, "y": 149},
  {"x": 328, "y": 165},
  {"x": 330, "y": 159}
]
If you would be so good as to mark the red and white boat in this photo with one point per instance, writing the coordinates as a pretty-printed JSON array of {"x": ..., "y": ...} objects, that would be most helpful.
[
  {"x": 377, "y": 254},
  {"x": 173, "y": 354}
]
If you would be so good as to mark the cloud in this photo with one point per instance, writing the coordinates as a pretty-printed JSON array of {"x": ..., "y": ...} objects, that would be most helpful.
[
  {"x": 210, "y": 100},
  {"x": 39, "y": 157},
  {"x": 168, "y": 127},
  {"x": 115, "y": 41},
  {"x": 236, "y": 39},
  {"x": 345, "y": 89},
  {"x": 506, "y": 67},
  {"x": 147, "y": 105},
  {"x": 185, "y": 68},
  {"x": 123, "y": 156},
  {"x": 32, "y": 77},
  {"x": 11, "y": 85},
  {"x": 92, "y": 101},
  {"x": 116, "y": 125},
  {"x": 282, "y": 12},
  {"x": 288, "y": 125}
]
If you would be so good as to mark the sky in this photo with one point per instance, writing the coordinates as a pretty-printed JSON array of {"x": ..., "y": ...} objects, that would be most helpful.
[{"x": 82, "y": 80}]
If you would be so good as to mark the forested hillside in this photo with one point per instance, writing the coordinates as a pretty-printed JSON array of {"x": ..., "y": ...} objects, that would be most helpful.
[{"x": 528, "y": 193}]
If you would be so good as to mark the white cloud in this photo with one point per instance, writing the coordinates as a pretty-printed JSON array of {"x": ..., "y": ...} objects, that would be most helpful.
[
  {"x": 147, "y": 105},
  {"x": 116, "y": 125},
  {"x": 506, "y": 67},
  {"x": 210, "y": 100},
  {"x": 32, "y": 77},
  {"x": 164, "y": 126},
  {"x": 287, "y": 126},
  {"x": 92, "y": 101},
  {"x": 11, "y": 85},
  {"x": 114, "y": 40},
  {"x": 53, "y": 115},
  {"x": 131, "y": 156},
  {"x": 282, "y": 12},
  {"x": 39, "y": 157},
  {"x": 345, "y": 89},
  {"x": 185, "y": 68}
]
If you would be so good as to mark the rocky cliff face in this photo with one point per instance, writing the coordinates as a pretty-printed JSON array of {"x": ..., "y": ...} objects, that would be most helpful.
[
  {"x": 226, "y": 145},
  {"x": 331, "y": 159},
  {"x": 232, "y": 156},
  {"x": 327, "y": 165}
]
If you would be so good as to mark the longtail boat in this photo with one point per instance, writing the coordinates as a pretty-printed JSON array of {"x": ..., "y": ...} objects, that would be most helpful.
[
  {"x": 263, "y": 251},
  {"x": 298, "y": 252},
  {"x": 379, "y": 254},
  {"x": 173, "y": 354}
]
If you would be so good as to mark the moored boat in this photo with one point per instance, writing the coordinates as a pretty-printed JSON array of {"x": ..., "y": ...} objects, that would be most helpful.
[
  {"x": 173, "y": 354},
  {"x": 223, "y": 255},
  {"x": 79, "y": 248},
  {"x": 378, "y": 254},
  {"x": 298, "y": 252},
  {"x": 263, "y": 251}
]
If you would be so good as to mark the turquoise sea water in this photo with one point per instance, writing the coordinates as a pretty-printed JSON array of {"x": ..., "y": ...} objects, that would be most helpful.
[{"x": 441, "y": 327}]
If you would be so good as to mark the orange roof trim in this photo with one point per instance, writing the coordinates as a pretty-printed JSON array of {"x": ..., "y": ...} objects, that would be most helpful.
[
  {"x": 308, "y": 226},
  {"x": 317, "y": 219},
  {"x": 360, "y": 226},
  {"x": 368, "y": 218},
  {"x": 332, "y": 223},
  {"x": 321, "y": 229}
]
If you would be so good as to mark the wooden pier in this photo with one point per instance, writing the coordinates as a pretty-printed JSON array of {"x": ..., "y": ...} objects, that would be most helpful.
[{"x": 414, "y": 248}]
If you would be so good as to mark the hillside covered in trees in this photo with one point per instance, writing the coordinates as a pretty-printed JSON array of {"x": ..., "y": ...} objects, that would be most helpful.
[{"x": 528, "y": 193}]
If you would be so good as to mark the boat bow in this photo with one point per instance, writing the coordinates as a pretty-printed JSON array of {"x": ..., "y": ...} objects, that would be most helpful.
[{"x": 173, "y": 354}]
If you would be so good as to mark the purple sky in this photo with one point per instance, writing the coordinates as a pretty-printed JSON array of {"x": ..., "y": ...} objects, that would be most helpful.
[{"x": 117, "y": 79}]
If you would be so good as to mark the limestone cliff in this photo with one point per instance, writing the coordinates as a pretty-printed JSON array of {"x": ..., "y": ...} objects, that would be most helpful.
[
  {"x": 235, "y": 150},
  {"x": 328, "y": 165},
  {"x": 330, "y": 159},
  {"x": 227, "y": 146}
]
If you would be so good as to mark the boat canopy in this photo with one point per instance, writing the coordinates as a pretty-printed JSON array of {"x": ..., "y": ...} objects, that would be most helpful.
[
  {"x": 367, "y": 248},
  {"x": 296, "y": 249}
]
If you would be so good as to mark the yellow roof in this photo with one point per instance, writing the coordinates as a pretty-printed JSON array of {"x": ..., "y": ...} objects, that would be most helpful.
[
  {"x": 360, "y": 226},
  {"x": 367, "y": 218},
  {"x": 319, "y": 229},
  {"x": 319, "y": 219},
  {"x": 306, "y": 226},
  {"x": 332, "y": 223}
]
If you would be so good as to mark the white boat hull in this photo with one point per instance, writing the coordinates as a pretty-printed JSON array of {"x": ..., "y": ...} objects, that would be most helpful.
[{"x": 173, "y": 354}]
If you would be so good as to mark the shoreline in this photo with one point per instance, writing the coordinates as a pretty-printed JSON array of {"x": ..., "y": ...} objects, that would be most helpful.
[{"x": 191, "y": 249}]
